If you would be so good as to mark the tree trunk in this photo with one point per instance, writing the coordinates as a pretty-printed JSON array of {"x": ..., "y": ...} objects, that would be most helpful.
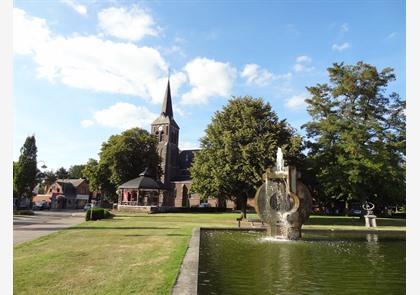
[{"x": 244, "y": 203}]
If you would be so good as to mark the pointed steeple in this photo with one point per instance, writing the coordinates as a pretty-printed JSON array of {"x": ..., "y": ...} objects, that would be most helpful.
[{"x": 167, "y": 102}]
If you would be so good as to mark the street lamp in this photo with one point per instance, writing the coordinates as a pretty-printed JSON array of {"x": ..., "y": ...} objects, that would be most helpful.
[{"x": 41, "y": 174}]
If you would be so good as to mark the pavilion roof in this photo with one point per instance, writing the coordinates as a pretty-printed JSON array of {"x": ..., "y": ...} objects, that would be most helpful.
[{"x": 142, "y": 182}]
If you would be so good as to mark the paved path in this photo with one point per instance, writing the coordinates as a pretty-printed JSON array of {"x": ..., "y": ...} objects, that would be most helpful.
[{"x": 29, "y": 227}]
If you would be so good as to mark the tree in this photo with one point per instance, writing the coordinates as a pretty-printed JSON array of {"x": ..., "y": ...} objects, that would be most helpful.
[
  {"x": 62, "y": 173},
  {"x": 25, "y": 170},
  {"x": 76, "y": 171},
  {"x": 49, "y": 177},
  {"x": 356, "y": 138},
  {"x": 122, "y": 157},
  {"x": 239, "y": 145},
  {"x": 98, "y": 178},
  {"x": 90, "y": 171}
]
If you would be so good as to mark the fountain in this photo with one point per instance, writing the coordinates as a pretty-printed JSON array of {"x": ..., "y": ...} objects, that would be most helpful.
[
  {"x": 283, "y": 201},
  {"x": 370, "y": 218},
  {"x": 239, "y": 262}
]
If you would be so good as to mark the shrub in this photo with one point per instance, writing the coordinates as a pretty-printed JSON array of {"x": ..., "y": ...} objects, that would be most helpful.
[{"x": 98, "y": 213}]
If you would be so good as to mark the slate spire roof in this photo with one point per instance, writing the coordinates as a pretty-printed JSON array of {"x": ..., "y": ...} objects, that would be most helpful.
[
  {"x": 166, "y": 114},
  {"x": 167, "y": 102}
]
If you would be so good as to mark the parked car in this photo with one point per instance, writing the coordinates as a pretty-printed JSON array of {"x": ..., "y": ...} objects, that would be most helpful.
[
  {"x": 204, "y": 205},
  {"x": 88, "y": 206},
  {"x": 355, "y": 209},
  {"x": 41, "y": 206}
]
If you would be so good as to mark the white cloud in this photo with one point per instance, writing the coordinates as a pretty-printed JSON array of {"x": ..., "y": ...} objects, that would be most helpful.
[
  {"x": 91, "y": 63},
  {"x": 303, "y": 59},
  {"x": 133, "y": 24},
  {"x": 338, "y": 47},
  {"x": 344, "y": 28},
  {"x": 208, "y": 78},
  {"x": 29, "y": 33},
  {"x": 180, "y": 111},
  {"x": 122, "y": 116},
  {"x": 86, "y": 123},
  {"x": 303, "y": 64},
  {"x": 79, "y": 8},
  {"x": 254, "y": 74},
  {"x": 186, "y": 145},
  {"x": 296, "y": 102}
]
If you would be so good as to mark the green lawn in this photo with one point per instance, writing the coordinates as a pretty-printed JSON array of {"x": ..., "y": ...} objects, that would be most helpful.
[{"x": 130, "y": 254}]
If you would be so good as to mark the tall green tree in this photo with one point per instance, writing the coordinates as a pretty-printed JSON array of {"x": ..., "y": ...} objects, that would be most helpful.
[
  {"x": 25, "y": 170},
  {"x": 239, "y": 145},
  {"x": 62, "y": 173},
  {"x": 76, "y": 171},
  {"x": 49, "y": 178},
  {"x": 356, "y": 137},
  {"x": 98, "y": 177},
  {"x": 90, "y": 171},
  {"x": 122, "y": 157}
]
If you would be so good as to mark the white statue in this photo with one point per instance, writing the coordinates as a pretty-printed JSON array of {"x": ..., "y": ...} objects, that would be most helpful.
[{"x": 279, "y": 161}]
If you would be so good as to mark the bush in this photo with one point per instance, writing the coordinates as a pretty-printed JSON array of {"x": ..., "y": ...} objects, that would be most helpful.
[{"x": 98, "y": 213}]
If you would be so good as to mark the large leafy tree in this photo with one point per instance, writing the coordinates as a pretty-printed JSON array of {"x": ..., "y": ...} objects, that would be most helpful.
[
  {"x": 98, "y": 176},
  {"x": 49, "y": 178},
  {"x": 25, "y": 170},
  {"x": 356, "y": 138},
  {"x": 62, "y": 173},
  {"x": 76, "y": 171},
  {"x": 122, "y": 157},
  {"x": 239, "y": 145}
]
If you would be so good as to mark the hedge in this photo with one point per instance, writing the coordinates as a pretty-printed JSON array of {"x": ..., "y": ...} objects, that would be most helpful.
[{"x": 98, "y": 213}]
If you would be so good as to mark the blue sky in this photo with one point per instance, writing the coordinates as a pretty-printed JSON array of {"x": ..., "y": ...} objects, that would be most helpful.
[{"x": 84, "y": 70}]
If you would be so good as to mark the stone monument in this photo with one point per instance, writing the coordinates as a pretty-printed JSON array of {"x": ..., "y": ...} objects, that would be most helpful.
[{"x": 283, "y": 201}]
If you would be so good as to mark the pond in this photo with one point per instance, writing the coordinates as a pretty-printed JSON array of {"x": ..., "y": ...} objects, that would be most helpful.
[{"x": 241, "y": 262}]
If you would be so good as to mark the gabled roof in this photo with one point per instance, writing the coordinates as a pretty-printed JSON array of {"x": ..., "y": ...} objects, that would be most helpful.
[{"x": 75, "y": 182}]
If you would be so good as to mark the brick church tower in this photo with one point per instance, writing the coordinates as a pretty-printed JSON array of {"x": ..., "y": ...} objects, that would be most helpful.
[{"x": 167, "y": 131}]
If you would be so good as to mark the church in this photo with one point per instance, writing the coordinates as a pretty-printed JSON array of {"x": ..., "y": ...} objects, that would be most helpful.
[
  {"x": 176, "y": 178},
  {"x": 173, "y": 189}
]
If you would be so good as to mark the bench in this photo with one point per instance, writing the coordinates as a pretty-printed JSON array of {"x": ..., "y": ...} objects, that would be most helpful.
[{"x": 251, "y": 220}]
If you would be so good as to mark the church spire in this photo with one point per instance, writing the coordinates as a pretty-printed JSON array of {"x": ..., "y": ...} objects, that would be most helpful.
[{"x": 167, "y": 102}]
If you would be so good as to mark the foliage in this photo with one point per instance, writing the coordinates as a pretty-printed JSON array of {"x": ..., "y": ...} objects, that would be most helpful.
[
  {"x": 62, "y": 173},
  {"x": 122, "y": 157},
  {"x": 90, "y": 171},
  {"x": 76, "y": 171},
  {"x": 239, "y": 145},
  {"x": 25, "y": 170},
  {"x": 98, "y": 213},
  {"x": 356, "y": 138},
  {"x": 49, "y": 177}
]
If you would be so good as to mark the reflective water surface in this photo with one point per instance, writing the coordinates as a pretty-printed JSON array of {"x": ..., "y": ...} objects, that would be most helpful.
[{"x": 233, "y": 262}]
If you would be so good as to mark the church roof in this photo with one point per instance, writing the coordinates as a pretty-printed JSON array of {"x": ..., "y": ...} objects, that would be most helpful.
[
  {"x": 142, "y": 182},
  {"x": 166, "y": 114},
  {"x": 167, "y": 103},
  {"x": 165, "y": 120}
]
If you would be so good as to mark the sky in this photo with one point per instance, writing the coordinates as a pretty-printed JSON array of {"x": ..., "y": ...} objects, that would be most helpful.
[{"x": 86, "y": 70}]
